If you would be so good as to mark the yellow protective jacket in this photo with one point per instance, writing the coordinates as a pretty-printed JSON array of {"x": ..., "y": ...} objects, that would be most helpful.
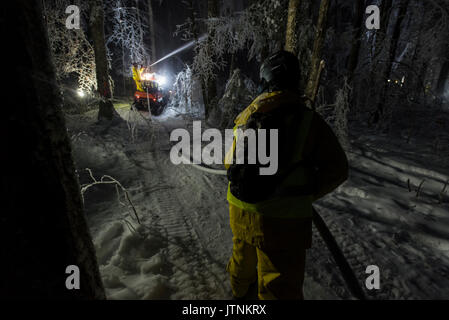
[
  {"x": 137, "y": 78},
  {"x": 311, "y": 141}
]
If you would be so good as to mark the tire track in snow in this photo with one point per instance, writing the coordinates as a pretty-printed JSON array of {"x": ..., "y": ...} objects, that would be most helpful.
[
  {"x": 408, "y": 270},
  {"x": 195, "y": 273},
  {"x": 373, "y": 249}
]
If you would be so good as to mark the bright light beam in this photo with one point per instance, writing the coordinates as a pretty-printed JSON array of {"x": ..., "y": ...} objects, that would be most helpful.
[{"x": 185, "y": 47}]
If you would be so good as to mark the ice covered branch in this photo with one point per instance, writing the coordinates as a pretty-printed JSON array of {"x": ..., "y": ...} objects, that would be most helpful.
[{"x": 104, "y": 180}]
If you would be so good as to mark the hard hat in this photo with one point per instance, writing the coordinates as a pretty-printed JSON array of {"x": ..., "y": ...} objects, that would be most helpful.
[{"x": 280, "y": 71}]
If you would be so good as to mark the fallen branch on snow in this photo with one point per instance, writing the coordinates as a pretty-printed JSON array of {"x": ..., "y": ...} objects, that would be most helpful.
[
  {"x": 418, "y": 192},
  {"x": 118, "y": 186}
]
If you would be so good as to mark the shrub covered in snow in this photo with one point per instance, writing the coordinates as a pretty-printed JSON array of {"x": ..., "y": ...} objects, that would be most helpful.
[
  {"x": 128, "y": 31},
  {"x": 72, "y": 52},
  {"x": 258, "y": 29},
  {"x": 186, "y": 97}
]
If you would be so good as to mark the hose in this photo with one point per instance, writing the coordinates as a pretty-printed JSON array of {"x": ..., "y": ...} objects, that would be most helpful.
[
  {"x": 339, "y": 258},
  {"x": 204, "y": 168}
]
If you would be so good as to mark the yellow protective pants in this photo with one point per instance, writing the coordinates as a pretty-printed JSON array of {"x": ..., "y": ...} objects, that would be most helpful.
[{"x": 269, "y": 250}]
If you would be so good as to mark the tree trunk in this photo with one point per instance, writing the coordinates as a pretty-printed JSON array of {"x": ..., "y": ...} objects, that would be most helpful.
[
  {"x": 317, "y": 49},
  {"x": 292, "y": 23},
  {"x": 211, "y": 84},
  {"x": 232, "y": 65},
  {"x": 442, "y": 82},
  {"x": 194, "y": 31},
  {"x": 213, "y": 8},
  {"x": 353, "y": 59},
  {"x": 123, "y": 51},
  {"x": 377, "y": 46},
  {"x": 381, "y": 34},
  {"x": 106, "y": 108},
  {"x": 43, "y": 228},
  {"x": 152, "y": 31},
  {"x": 124, "y": 78},
  {"x": 305, "y": 41},
  {"x": 417, "y": 82},
  {"x": 392, "y": 48},
  {"x": 139, "y": 23}
]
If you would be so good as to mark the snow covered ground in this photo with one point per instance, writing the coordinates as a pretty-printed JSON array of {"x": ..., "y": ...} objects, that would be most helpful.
[{"x": 181, "y": 247}]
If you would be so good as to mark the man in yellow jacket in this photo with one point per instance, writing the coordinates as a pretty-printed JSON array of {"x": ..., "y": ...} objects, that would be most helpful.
[
  {"x": 271, "y": 215},
  {"x": 137, "y": 76}
]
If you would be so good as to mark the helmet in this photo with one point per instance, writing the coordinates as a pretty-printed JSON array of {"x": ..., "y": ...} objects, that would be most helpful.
[{"x": 280, "y": 71}]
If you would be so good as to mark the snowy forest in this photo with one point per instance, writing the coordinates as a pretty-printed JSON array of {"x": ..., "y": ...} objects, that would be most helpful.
[{"x": 87, "y": 176}]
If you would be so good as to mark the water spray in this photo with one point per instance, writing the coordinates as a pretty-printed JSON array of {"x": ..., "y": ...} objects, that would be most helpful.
[{"x": 184, "y": 47}]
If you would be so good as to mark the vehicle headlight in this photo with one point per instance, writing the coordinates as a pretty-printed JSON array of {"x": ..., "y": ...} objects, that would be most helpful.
[{"x": 147, "y": 76}]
